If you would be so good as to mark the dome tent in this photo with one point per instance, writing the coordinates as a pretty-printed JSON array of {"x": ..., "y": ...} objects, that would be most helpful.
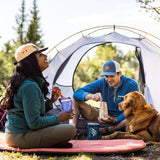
[{"x": 63, "y": 64}]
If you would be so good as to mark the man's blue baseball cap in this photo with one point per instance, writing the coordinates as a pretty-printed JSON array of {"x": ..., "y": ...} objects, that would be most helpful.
[{"x": 110, "y": 68}]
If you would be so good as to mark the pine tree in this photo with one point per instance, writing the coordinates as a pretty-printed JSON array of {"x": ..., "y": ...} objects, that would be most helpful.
[
  {"x": 20, "y": 20},
  {"x": 31, "y": 35},
  {"x": 34, "y": 33}
]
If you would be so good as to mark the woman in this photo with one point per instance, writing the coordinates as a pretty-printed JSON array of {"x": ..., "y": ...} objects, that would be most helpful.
[{"x": 26, "y": 104}]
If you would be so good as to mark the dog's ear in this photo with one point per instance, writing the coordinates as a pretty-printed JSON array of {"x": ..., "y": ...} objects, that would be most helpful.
[
  {"x": 129, "y": 101},
  {"x": 134, "y": 103},
  {"x": 138, "y": 101},
  {"x": 128, "y": 106}
]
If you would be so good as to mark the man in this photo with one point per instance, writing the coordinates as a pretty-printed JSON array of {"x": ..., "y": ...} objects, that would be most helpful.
[{"x": 110, "y": 89}]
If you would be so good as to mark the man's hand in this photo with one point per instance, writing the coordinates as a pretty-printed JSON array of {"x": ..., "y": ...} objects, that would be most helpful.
[
  {"x": 95, "y": 97},
  {"x": 109, "y": 120}
]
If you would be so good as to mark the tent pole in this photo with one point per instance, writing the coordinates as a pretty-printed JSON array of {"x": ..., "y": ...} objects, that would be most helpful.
[{"x": 98, "y": 28}]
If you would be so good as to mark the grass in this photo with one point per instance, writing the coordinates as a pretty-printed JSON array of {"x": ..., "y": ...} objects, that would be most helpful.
[
  {"x": 17, "y": 156},
  {"x": 20, "y": 156}
]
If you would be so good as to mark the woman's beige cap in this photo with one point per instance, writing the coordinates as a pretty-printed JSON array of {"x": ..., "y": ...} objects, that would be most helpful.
[{"x": 25, "y": 50}]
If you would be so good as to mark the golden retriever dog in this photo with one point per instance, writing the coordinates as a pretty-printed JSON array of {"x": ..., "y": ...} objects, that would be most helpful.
[{"x": 142, "y": 120}]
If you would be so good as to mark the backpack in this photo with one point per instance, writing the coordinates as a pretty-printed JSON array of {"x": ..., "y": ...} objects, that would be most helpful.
[{"x": 3, "y": 118}]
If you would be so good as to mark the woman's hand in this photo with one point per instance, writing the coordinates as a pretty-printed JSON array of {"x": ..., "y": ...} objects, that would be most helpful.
[
  {"x": 54, "y": 96},
  {"x": 64, "y": 116},
  {"x": 109, "y": 120}
]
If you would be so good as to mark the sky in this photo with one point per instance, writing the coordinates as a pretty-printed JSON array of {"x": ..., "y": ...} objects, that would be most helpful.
[{"x": 62, "y": 18}]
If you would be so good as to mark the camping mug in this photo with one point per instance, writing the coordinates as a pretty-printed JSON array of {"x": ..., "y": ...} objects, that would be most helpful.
[
  {"x": 93, "y": 131},
  {"x": 66, "y": 104}
]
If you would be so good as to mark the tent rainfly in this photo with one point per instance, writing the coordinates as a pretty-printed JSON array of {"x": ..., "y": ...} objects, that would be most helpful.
[{"x": 63, "y": 65}]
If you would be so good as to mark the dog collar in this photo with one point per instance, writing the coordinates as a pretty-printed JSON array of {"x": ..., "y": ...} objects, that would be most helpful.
[{"x": 145, "y": 106}]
